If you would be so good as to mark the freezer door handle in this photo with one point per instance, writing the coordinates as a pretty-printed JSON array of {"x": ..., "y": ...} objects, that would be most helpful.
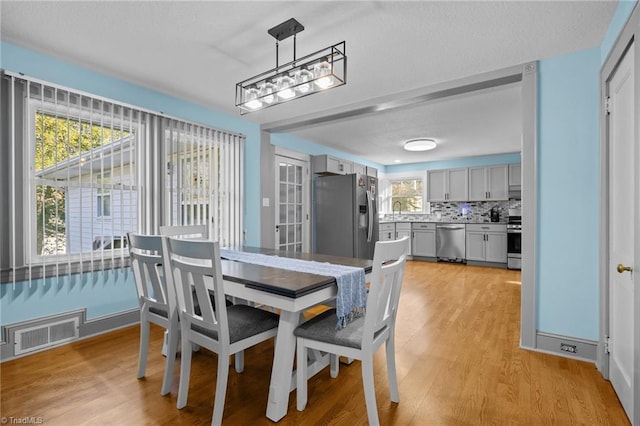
[{"x": 369, "y": 217}]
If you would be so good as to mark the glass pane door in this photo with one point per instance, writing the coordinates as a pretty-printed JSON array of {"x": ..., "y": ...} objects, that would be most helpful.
[{"x": 291, "y": 212}]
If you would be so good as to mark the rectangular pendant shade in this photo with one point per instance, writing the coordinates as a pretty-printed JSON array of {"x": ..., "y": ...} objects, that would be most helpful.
[{"x": 314, "y": 73}]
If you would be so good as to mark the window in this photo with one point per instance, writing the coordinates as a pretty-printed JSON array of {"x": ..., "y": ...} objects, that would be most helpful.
[
  {"x": 204, "y": 183},
  {"x": 103, "y": 205},
  {"x": 72, "y": 164},
  {"x": 407, "y": 195},
  {"x": 82, "y": 174}
]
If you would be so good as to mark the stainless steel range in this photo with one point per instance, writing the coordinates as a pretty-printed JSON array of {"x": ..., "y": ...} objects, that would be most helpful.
[{"x": 514, "y": 239}]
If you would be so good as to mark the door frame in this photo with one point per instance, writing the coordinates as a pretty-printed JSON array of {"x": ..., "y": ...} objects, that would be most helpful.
[
  {"x": 626, "y": 37},
  {"x": 306, "y": 193},
  {"x": 527, "y": 76}
]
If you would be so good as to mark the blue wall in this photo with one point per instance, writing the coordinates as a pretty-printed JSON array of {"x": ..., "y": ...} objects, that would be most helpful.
[
  {"x": 620, "y": 17},
  {"x": 112, "y": 292},
  {"x": 102, "y": 293},
  {"x": 295, "y": 143},
  {"x": 39, "y": 66},
  {"x": 567, "y": 269},
  {"x": 481, "y": 160},
  {"x": 568, "y": 195}
]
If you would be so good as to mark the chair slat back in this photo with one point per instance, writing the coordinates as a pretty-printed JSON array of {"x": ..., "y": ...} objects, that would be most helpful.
[
  {"x": 146, "y": 261},
  {"x": 196, "y": 265},
  {"x": 389, "y": 260},
  {"x": 190, "y": 231}
]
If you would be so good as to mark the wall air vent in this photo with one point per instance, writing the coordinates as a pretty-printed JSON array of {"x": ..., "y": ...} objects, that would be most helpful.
[{"x": 54, "y": 332}]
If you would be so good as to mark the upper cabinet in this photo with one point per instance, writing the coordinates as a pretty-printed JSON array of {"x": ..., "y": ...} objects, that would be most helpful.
[
  {"x": 489, "y": 183},
  {"x": 448, "y": 185},
  {"x": 359, "y": 169},
  {"x": 515, "y": 175},
  {"x": 328, "y": 164}
]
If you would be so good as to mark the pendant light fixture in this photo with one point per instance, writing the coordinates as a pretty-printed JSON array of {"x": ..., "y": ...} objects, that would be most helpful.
[{"x": 314, "y": 73}]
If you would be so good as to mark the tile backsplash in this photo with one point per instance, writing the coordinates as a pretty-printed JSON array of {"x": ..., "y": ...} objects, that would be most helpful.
[{"x": 468, "y": 212}]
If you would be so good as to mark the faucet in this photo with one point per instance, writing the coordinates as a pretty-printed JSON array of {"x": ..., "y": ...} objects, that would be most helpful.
[{"x": 393, "y": 209}]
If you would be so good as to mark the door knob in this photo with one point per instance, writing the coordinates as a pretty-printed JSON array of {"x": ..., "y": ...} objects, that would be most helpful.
[{"x": 621, "y": 268}]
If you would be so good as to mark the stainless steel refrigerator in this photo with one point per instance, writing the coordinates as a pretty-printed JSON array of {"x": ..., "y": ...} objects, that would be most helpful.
[{"x": 346, "y": 215}]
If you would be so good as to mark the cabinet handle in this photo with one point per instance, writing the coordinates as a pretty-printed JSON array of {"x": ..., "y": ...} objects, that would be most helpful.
[{"x": 489, "y": 194}]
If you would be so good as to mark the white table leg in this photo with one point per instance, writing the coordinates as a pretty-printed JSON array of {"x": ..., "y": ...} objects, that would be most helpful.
[{"x": 282, "y": 370}]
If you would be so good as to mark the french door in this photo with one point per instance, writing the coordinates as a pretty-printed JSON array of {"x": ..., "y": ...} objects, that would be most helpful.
[{"x": 292, "y": 204}]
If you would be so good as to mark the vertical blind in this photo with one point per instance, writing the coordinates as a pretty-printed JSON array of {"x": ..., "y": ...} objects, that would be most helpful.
[
  {"x": 204, "y": 179},
  {"x": 81, "y": 171}
]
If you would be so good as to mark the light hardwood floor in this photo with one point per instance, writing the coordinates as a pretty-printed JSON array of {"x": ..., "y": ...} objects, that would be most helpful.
[{"x": 458, "y": 363}]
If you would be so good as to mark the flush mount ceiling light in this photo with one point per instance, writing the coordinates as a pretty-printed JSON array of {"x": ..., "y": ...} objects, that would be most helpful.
[
  {"x": 314, "y": 73},
  {"x": 419, "y": 145}
]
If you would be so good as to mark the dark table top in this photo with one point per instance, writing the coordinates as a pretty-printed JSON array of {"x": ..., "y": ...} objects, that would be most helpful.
[{"x": 281, "y": 281}]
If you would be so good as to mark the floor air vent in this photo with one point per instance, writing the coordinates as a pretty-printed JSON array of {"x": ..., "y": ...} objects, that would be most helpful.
[{"x": 45, "y": 335}]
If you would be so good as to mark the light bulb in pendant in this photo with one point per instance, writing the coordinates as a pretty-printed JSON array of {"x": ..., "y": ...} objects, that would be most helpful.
[
  {"x": 285, "y": 87},
  {"x": 266, "y": 91},
  {"x": 322, "y": 73},
  {"x": 252, "y": 95},
  {"x": 302, "y": 80}
]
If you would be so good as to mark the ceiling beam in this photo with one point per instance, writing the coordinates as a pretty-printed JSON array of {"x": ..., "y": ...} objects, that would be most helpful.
[{"x": 399, "y": 100}]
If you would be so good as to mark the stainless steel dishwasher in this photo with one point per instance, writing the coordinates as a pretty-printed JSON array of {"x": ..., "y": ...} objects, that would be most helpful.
[{"x": 450, "y": 242}]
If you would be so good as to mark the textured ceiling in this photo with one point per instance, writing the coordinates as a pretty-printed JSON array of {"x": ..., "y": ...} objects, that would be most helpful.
[{"x": 199, "y": 50}]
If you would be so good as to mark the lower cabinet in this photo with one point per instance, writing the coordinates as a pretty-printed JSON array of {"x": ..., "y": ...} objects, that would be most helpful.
[
  {"x": 386, "y": 231},
  {"x": 423, "y": 239},
  {"x": 486, "y": 243},
  {"x": 403, "y": 229}
]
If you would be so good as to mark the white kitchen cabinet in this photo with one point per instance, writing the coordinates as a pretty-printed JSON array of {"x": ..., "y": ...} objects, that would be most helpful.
[
  {"x": 372, "y": 171},
  {"x": 403, "y": 229},
  {"x": 475, "y": 249},
  {"x": 489, "y": 183},
  {"x": 496, "y": 247},
  {"x": 386, "y": 231},
  {"x": 486, "y": 243},
  {"x": 448, "y": 185},
  {"x": 515, "y": 175},
  {"x": 423, "y": 239},
  {"x": 359, "y": 169},
  {"x": 328, "y": 164}
]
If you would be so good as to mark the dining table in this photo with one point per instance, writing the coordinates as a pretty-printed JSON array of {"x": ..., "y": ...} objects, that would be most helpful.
[{"x": 291, "y": 292}]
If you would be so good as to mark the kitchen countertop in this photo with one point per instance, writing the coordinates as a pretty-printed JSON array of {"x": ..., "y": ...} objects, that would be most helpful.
[{"x": 474, "y": 222}]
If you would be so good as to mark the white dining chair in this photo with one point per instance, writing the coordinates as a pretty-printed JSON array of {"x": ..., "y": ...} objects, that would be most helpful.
[
  {"x": 200, "y": 232},
  {"x": 157, "y": 302},
  {"x": 185, "y": 231},
  {"x": 364, "y": 335},
  {"x": 225, "y": 330}
]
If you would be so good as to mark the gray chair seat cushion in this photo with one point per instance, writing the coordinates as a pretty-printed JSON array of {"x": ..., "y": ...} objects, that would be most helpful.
[
  {"x": 244, "y": 321},
  {"x": 322, "y": 328}
]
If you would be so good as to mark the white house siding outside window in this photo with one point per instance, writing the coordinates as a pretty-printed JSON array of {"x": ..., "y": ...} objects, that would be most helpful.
[{"x": 80, "y": 171}]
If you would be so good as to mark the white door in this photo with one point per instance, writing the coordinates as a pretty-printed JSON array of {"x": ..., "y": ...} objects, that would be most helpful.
[
  {"x": 622, "y": 216},
  {"x": 292, "y": 204}
]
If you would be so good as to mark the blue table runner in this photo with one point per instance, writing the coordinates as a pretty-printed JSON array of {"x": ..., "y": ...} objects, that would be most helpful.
[{"x": 351, "y": 299}]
